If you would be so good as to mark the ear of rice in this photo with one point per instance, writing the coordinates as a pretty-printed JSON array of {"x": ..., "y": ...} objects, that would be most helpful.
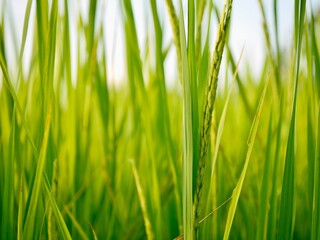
[{"x": 210, "y": 96}]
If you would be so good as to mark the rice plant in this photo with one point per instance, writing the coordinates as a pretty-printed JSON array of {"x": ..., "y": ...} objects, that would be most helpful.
[{"x": 218, "y": 152}]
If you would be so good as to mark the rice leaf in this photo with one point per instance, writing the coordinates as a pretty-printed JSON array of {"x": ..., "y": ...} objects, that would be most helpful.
[
  {"x": 20, "y": 211},
  {"x": 95, "y": 237},
  {"x": 143, "y": 204},
  {"x": 286, "y": 219},
  {"x": 223, "y": 118},
  {"x": 315, "y": 53},
  {"x": 67, "y": 48},
  {"x": 7, "y": 214},
  {"x": 52, "y": 228},
  {"x": 28, "y": 229},
  {"x": 287, "y": 194},
  {"x": 187, "y": 136},
  {"x": 265, "y": 188},
  {"x": 77, "y": 225},
  {"x": 24, "y": 36},
  {"x": 315, "y": 234},
  {"x": 193, "y": 88},
  {"x": 268, "y": 43},
  {"x": 273, "y": 212},
  {"x": 237, "y": 190},
  {"x": 174, "y": 22}
]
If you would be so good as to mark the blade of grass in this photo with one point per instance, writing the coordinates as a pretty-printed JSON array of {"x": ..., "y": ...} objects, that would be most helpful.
[
  {"x": 20, "y": 211},
  {"x": 201, "y": 4},
  {"x": 48, "y": 75},
  {"x": 265, "y": 187},
  {"x": 10, "y": 87},
  {"x": 272, "y": 221},
  {"x": 163, "y": 109},
  {"x": 223, "y": 117},
  {"x": 193, "y": 89},
  {"x": 95, "y": 237},
  {"x": 91, "y": 26},
  {"x": 24, "y": 35},
  {"x": 311, "y": 155},
  {"x": 315, "y": 53},
  {"x": 52, "y": 227},
  {"x": 67, "y": 47},
  {"x": 269, "y": 47},
  {"x": 174, "y": 22},
  {"x": 315, "y": 234},
  {"x": 7, "y": 214},
  {"x": 237, "y": 190},
  {"x": 28, "y": 229},
  {"x": 143, "y": 203},
  {"x": 142, "y": 108},
  {"x": 309, "y": 118},
  {"x": 286, "y": 219},
  {"x": 77, "y": 225},
  {"x": 60, "y": 221},
  {"x": 276, "y": 30},
  {"x": 42, "y": 23},
  {"x": 203, "y": 68},
  {"x": 57, "y": 213},
  {"x": 187, "y": 136}
]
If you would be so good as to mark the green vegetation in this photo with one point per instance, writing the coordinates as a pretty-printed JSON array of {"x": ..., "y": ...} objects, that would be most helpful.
[{"x": 81, "y": 158}]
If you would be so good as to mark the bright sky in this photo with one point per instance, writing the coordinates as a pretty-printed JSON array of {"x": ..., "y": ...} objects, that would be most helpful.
[{"x": 246, "y": 28}]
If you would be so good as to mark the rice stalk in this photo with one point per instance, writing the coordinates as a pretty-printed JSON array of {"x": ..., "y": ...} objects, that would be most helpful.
[
  {"x": 288, "y": 197},
  {"x": 95, "y": 237},
  {"x": 77, "y": 225},
  {"x": 272, "y": 218},
  {"x": 209, "y": 99},
  {"x": 28, "y": 229},
  {"x": 174, "y": 22},
  {"x": 41, "y": 175},
  {"x": 143, "y": 203},
  {"x": 24, "y": 36},
  {"x": 265, "y": 188},
  {"x": 276, "y": 29},
  {"x": 20, "y": 211},
  {"x": 52, "y": 227},
  {"x": 142, "y": 113},
  {"x": 311, "y": 129},
  {"x": 216, "y": 136},
  {"x": 269, "y": 47},
  {"x": 200, "y": 13},
  {"x": 315, "y": 231},
  {"x": 315, "y": 53},
  {"x": 7, "y": 213},
  {"x": 188, "y": 151}
]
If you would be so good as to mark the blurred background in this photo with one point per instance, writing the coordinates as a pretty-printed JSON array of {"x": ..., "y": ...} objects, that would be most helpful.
[{"x": 246, "y": 30}]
